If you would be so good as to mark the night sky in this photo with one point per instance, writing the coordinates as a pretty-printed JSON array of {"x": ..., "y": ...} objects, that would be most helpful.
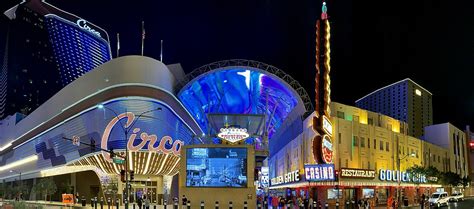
[{"x": 374, "y": 43}]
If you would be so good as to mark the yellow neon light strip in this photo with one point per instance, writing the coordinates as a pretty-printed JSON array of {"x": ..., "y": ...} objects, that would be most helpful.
[
  {"x": 100, "y": 164},
  {"x": 5, "y": 146},
  {"x": 163, "y": 164},
  {"x": 19, "y": 162},
  {"x": 174, "y": 166},
  {"x": 130, "y": 159},
  {"x": 147, "y": 163}
]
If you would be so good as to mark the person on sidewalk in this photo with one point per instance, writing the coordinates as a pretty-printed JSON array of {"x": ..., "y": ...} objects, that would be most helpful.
[
  {"x": 147, "y": 202},
  {"x": 184, "y": 200},
  {"x": 139, "y": 203},
  {"x": 422, "y": 202}
]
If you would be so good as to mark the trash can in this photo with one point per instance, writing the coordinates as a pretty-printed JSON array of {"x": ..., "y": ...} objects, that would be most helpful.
[
  {"x": 405, "y": 202},
  {"x": 83, "y": 201}
]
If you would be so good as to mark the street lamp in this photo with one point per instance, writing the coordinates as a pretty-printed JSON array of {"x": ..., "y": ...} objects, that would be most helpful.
[
  {"x": 399, "y": 178},
  {"x": 16, "y": 171},
  {"x": 126, "y": 130},
  {"x": 20, "y": 184}
]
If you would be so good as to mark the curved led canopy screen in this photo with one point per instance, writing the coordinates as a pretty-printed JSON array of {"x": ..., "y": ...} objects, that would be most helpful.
[{"x": 239, "y": 90}]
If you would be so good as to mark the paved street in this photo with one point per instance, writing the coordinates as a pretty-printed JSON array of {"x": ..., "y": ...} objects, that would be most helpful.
[{"x": 468, "y": 203}]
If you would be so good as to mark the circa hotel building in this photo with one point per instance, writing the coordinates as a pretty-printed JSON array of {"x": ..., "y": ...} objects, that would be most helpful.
[{"x": 46, "y": 48}]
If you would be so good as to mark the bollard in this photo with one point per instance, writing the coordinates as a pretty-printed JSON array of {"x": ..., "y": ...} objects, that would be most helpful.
[
  {"x": 117, "y": 203},
  {"x": 165, "y": 204},
  {"x": 337, "y": 205},
  {"x": 92, "y": 202},
  {"x": 217, "y": 204},
  {"x": 265, "y": 205},
  {"x": 245, "y": 204},
  {"x": 108, "y": 203},
  {"x": 95, "y": 202},
  {"x": 230, "y": 205},
  {"x": 133, "y": 206},
  {"x": 353, "y": 204},
  {"x": 202, "y": 204},
  {"x": 154, "y": 206},
  {"x": 315, "y": 205},
  {"x": 101, "y": 203},
  {"x": 175, "y": 205},
  {"x": 288, "y": 205},
  {"x": 326, "y": 205},
  {"x": 347, "y": 204},
  {"x": 259, "y": 206},
  {"x": 188, "y": 204}
]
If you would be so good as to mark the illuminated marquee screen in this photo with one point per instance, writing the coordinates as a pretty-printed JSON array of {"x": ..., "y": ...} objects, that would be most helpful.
[{"x": 216, "y": 167}]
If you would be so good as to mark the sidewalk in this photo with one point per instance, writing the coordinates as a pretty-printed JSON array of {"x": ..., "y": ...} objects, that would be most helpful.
[{"x": 59, "y": 205}]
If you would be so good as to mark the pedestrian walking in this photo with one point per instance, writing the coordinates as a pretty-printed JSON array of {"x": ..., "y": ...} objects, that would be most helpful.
[
  {"x": 147, "y": 202},
  {"x": 139, "y": 202},
  {"x": 184, "y": 201}
]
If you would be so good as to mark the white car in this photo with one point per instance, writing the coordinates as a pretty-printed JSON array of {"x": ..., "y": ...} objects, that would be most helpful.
[
  {"x": 456, "y": 196},
  {"x": 439, "y": 199}
]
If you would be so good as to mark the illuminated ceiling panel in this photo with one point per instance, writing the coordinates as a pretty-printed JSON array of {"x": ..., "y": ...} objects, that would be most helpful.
[
  {"x": 240, "y": 90},
  {"x": 160, "y": 164}
]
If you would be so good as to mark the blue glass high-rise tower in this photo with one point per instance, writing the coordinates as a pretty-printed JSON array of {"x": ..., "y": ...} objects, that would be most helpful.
[{"x": 48, "y": 48}]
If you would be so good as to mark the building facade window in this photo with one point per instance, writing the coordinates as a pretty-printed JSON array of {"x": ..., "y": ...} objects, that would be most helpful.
[
  {"x": 375, "y": 143},
  {"x": 355, "y": 141},
  {"x": 340, "y": 114},
  {"x": 368, "y": 142},
  {"x": 362, "y": 142},
  {"x": 387, "y": 146},
  {"x": 381, "y": 145},
  {"x": 339, "y": 138}
]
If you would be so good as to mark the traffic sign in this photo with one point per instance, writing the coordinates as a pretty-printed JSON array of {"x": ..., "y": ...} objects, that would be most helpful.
[{"x": 118, "y": 160}]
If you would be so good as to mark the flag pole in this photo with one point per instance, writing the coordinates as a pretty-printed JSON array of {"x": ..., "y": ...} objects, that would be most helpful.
[
  {"x": 118, "y": 44},
  {"x": 161, "y": 51},
  {"x": 143, "y": 36}
]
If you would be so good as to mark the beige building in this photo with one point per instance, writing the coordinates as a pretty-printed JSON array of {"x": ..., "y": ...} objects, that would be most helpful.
[
  {"x": 454, "y": 140},
  {"x": 364, "y": 141}
]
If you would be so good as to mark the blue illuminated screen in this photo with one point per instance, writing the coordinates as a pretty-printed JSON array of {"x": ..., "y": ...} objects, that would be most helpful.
[
  {"x": 239, "y": 90},
  {"x": 216, "y": 167},
  {"x": 368, "y": 193}
]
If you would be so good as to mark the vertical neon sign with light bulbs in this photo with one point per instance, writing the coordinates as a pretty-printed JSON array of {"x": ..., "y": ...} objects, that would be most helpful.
[{"x": 323, "y": 150}]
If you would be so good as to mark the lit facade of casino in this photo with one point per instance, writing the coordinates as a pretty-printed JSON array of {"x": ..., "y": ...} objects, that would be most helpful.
[{"x": 136, "y": 103}]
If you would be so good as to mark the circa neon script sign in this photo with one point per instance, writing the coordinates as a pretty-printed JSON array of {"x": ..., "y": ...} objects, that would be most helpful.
[
  {"x": 143, "y": 138},
  {"x": 82, "y": 24}
]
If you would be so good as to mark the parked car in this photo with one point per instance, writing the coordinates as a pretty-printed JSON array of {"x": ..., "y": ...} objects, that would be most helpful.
[
  {"x": 456, "y": 196},
  {"x": 439, "y": 199}
]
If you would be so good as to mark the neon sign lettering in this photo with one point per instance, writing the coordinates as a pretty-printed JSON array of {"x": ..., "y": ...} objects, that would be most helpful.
[
  {"x": 143, "y": 138},
  {"x": 82, "y": 24}
]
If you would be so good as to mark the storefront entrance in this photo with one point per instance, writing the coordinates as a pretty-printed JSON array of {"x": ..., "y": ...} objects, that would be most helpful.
[
  {"x": 350, "y": 194},
  {"x": 140, "y": 189}
]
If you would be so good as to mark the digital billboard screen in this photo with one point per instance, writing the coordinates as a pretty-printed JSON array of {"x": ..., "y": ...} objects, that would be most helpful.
[
  {"x": 368, "y": 193},
  {"x": 216, "y": 167}
]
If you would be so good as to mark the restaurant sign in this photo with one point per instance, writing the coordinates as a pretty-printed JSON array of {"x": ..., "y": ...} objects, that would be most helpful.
[{"x": 357, "y": 173}]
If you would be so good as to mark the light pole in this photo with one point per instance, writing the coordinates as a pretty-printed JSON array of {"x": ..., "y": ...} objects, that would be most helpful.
[
  {"x": 19, "y": 172},
  {"x": 400, "y": 176},
  {"x": 126, "y": 130},
  {"x": 20, "y": 184}
]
